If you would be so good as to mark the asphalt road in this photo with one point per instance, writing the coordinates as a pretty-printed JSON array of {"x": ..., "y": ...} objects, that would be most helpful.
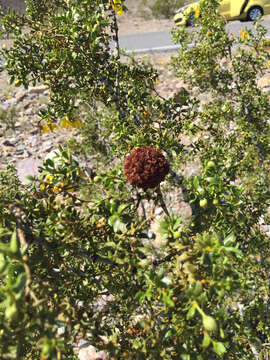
[{"x": 161, "y": 40}]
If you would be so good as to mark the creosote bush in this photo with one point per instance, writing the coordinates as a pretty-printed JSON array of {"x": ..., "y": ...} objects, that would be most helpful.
[
  {"x": 161, "y": 9},
  {"x": 196, "y": 288}
]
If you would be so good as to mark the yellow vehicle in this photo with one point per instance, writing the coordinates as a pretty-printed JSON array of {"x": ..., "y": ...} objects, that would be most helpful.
[{"x": 245, "y": 10}]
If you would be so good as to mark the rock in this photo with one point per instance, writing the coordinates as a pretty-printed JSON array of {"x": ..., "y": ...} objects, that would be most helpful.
[
  {"x": 4, "y": 106},
  {"x": 20, "y": 149},
  {"x": 8, "y": 143},
  {"x": 27, "y": 103},
  {"x": 47, "y": 146},
  {"x": 29, "y": 111},
  {"x": 264, "y": 81},
  {"x": 90, "y": 353},
  {"x": 10, "y": 102},
  {"x": 27, "y": 167},
  {"x": 266, "y": 90},
  {"x": 37, "y": 89},
  {"x": 34, "y": 140},
  {"x": 102, "y": 303},
  {"x": 20, "y": 95}
]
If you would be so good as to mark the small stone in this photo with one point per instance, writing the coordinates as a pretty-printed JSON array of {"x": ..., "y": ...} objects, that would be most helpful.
[
  {"x": 29, "y": 111},
  {"x": 20, "y": 149},
  {"x": 37, "y": 89},
  {"x": 4, "y": 106},
  {"x": 27, "y": 103},
  {"x": 90, "y": 353},
  {"x": 47, "y": 146},
  {"x": 20, "y": 95},
  {"x": 34, "y": 140},
  {"x": 8, "y": 143},
  {"x": 266, "y": 90},
  {"x": 158, "y": 211}
]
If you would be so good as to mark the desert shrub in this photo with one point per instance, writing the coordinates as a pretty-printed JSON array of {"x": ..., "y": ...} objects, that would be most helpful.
[
  {"x": 72, "y": 238},
  {"x": 160, "y": 9},
  {"x": 166, "y": 9}
]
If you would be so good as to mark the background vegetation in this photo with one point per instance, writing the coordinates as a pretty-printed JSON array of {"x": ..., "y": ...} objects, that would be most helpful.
[{"x": 79, "y": 257}]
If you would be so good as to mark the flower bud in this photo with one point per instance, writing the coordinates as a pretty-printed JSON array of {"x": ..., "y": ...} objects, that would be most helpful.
[{"x": 209, "y": 323}]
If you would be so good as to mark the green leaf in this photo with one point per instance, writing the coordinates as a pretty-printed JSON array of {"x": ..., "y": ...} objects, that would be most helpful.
[
  {"x": 19, "y": 285},
  {"x": 3, "y": 264},
  {"x": 233, "y": 250},
  {"x": 121, "y": 208},
  {"x": 14, "y": 243},
  {"x": 191, "y": 312},
  {"x": 111, "y": 244},
  {"x": 219, "y": 348},
  {"x": 113, "y": 219},
  {"x": 206, "y": 340},
  {"x": 230, "y": 239},
  {"x": 196, "y": 182},
  {"x": 5, "y": 248},
  {"x": 11, "y": 312},
  {"x": 197, "y": 288},
  {"x": 185, "y": 357}
]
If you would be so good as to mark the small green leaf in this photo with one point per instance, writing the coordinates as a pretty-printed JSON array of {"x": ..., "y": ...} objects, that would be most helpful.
[
  {"x": 219, "y": 348},
  {"x": 206, "y": 340},
  {"x": 14, "y": 243},
  {"x": 19, "y": 285},
  {"x": 11, "y": 312},
  {"x": 197, "y": 288},
  {"x": 196, "y": 182},
  {"x": 121, "y": 208},
  {"x": 191, "y": 312},
  {"x": 229, "y": 240}
]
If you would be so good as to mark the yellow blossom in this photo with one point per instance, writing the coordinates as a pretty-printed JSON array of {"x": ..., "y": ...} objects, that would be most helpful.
[
  {"x": 49, "y": 127},
  {"x": 117, "y": 6},
  {"x": 66, "y": 123},
  {"x": 197, "y": 13},
  {"x": 244, "y": 35},
  {"x": 268, "y": 63},
  {"x": 162, "y": 62}
]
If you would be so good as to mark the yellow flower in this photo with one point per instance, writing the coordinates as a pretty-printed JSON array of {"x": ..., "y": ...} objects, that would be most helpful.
[
  {"x": 117, "y": 6},
  {"x": 244, "y": 35},
  {"x": 268, "y": 63},
  {"x": 49, "y": 127},
  {"x": 65, "y": 123},
  {"x": 162, "y": 62},
  {"x": 197, "y": 13}
]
